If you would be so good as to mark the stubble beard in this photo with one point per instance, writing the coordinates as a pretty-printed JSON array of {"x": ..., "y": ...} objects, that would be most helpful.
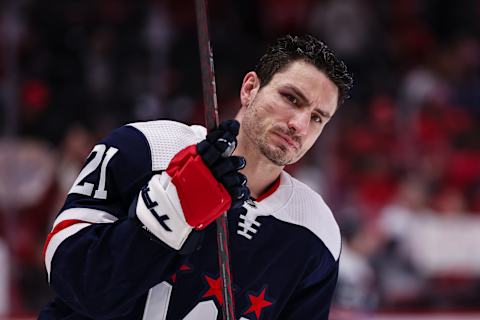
[
  {"x": 255, "y": 129},
  {"x": 276, "y": 154}
]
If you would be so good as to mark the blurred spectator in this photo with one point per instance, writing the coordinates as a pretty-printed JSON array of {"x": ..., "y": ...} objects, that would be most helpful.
[
  {"x": 27, "y": 196},
  {"x": 396, "y": 218},
  {"x": 400, "y": 283},
  {"x": 345, "y": 25},
  {"x": 73, "y": 151},
  {"x": 357, "y": 281}
]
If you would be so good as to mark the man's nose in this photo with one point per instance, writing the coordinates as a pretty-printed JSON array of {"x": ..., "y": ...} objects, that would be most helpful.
[{"x": 299, "y": 122}]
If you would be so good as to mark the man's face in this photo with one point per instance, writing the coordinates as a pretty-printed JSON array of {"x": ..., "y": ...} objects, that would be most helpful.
[{"x": 284, "y": 118}]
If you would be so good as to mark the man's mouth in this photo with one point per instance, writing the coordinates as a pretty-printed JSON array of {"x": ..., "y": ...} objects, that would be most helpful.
[{"x": 288, "y": 140}]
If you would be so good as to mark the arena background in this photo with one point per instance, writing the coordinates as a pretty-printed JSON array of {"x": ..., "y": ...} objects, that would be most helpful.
[{"x": 399, "y": 164}]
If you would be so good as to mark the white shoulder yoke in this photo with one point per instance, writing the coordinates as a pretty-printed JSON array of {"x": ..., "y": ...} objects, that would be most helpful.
[
  {"x": 307, "y": 208},
  {"x": 166, "y": 138}
]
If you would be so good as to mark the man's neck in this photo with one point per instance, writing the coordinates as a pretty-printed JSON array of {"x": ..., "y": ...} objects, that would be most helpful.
[{"x": 261, "y": 173}]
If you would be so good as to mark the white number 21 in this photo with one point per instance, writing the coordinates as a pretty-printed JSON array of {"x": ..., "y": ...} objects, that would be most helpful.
[{"x": 87, "y": 188}]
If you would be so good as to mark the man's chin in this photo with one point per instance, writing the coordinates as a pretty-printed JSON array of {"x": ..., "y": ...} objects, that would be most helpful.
[{"x": 279, "y": 157}]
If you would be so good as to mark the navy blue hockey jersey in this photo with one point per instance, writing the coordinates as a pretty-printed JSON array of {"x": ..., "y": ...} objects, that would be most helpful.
[{"x": 103, "y": 265}]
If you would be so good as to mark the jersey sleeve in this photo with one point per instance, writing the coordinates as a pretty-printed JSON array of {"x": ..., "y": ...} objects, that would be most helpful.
[{"x": 98, "y": 259}]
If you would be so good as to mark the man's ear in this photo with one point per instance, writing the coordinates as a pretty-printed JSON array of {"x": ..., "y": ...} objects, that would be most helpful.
[{"x": 250, "y": 87}]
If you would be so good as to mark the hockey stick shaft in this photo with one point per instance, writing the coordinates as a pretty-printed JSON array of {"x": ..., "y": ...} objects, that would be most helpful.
[
  {"x": 206, "y": 63},
  {"x": 211, "y": 120}
]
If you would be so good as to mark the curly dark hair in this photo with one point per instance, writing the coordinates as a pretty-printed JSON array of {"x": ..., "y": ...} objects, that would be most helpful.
[{"x": 308, "y": 48}]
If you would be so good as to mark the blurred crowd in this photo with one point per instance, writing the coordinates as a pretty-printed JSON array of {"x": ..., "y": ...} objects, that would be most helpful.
[{"x": 399, "y": 164}]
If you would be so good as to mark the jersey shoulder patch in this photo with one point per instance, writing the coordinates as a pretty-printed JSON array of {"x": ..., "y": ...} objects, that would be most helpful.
[
  {"x": 166, "y": 138},
  {"x": 307, "y": 208}
]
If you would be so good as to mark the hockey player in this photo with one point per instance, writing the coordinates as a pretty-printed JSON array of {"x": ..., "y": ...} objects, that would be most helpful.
[{"x": 135, "y": 238}]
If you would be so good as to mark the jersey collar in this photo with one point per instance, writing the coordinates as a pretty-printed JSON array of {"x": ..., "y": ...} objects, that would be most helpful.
[{"x": 276, "y": 197}]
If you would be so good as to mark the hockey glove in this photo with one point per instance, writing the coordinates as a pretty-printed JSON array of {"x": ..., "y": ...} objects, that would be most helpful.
[{"x": 201, "y": 182}]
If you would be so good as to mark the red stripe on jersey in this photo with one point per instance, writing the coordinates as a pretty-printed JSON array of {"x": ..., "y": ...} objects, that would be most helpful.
[
  {"x": 271, "y": 190},
  {"x": 59, "y": 227}
]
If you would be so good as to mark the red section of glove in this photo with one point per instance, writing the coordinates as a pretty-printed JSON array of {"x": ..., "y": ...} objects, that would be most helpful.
[{"x": 202, "y": 197}]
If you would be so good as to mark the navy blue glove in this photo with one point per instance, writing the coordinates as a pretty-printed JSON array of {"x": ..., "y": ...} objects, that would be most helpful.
[{"x": 216, "y": 151}]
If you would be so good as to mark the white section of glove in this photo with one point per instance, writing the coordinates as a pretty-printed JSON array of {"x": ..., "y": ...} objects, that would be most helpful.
[{"x": 159, "y": 209}]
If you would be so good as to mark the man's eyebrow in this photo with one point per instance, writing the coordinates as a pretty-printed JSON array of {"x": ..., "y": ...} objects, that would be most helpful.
[
  {"x": 323, "y": 113},
  {"x": 298, "y": 93},
  {"x": 302, "y": 97}
]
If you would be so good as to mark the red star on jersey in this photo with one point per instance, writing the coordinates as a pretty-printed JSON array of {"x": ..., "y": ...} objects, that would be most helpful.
[
  {"x": 258, "y": 303},
  {"x": 184, "y": 267},
  {"x": 215, "y": 289}
]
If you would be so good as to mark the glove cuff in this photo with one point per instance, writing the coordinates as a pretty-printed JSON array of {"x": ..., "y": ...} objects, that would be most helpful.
[{"x": 159, "y": 211}]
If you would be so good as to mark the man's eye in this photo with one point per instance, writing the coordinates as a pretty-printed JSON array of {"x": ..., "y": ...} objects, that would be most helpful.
[
  {"x": 291, "y": 98},
  {"x": 317, "y": 118}
]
